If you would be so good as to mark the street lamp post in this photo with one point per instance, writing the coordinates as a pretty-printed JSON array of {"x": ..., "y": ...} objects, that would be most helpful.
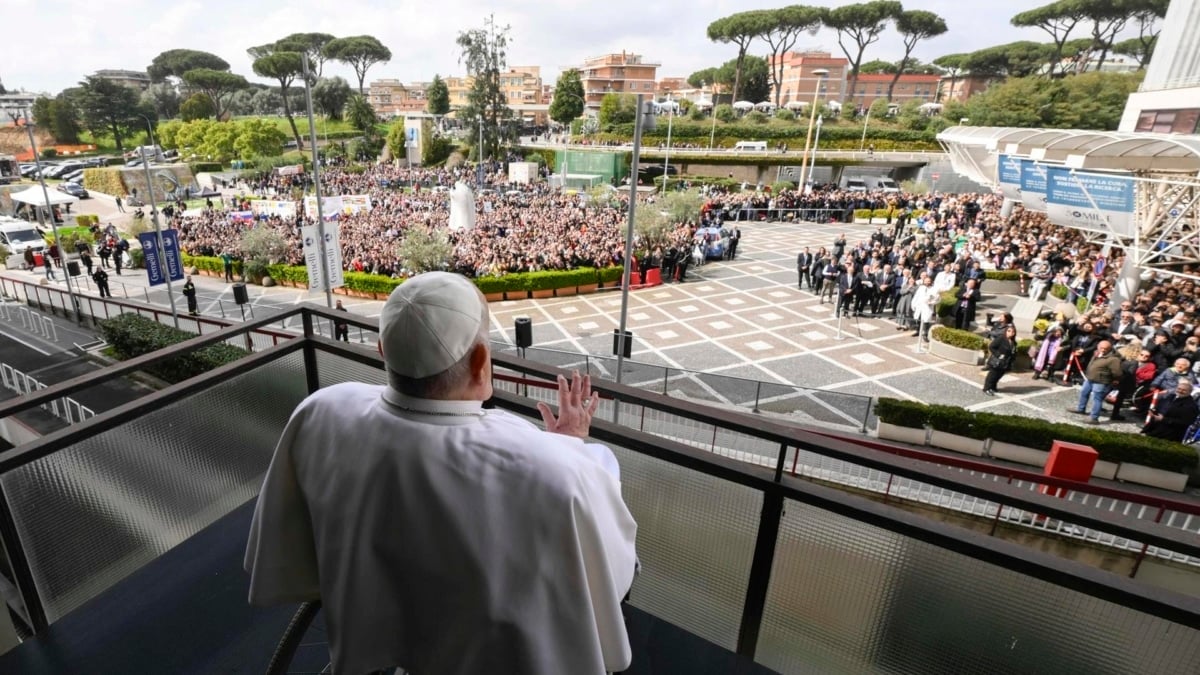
[
  {"x": 812, "y": 163},
  {"x": 667, "y": 154},
  {"x": 158, "y": 240},
  {"x": 812, "y": 118},
  {"x": 713, "y": 135},
  {"x": 866, "y": 121},
  {"x": 627, "y": 278},
  {"x": 326, "y": 282},
  {"x": 53, "y": 223}
]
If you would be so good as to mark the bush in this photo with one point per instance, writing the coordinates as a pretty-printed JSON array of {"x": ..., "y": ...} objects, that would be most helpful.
[
  {"x": 610, "y": 275},
  {"x": 490, "y": 285},
  {"x": 946, "y": 302},
  {"x": 132, "y": 335},
  {"x": 782, "y": 185},
  {"x": 214, "y": 264},
  {"x": 137, "y": 258},
  {"x": 756, "y": 117},
  {"x": 370, "y": 283},
  {"x": 1111, "y": 446},
  {"x": 723, "y": 112},
  {"x": 206, "y": 167},
  {"x": 963, "y": 339},
  {"x": 1059, "y": 291},
  {"x": 106, "y": 180},
  {"x": 785, "y": 115},
  {"x": 86, "y": 220},
  {"x": 1002, "y": 275},
  {"x": 49, "y": 153}
]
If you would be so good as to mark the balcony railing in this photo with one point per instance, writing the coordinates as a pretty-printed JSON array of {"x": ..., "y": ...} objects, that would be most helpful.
[{"x": 783, "y": 569}]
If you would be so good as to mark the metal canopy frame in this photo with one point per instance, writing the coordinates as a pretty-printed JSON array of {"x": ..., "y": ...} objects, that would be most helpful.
[{"x": 1165, "y": 169}]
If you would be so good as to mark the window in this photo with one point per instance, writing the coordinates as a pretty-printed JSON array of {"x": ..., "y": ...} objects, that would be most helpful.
[
  {"x": 878, "y": 89},
  {"x": 1170, "y": 121}
]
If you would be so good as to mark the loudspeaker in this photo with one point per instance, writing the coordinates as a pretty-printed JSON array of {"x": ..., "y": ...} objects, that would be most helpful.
[
  {"x": 72, "y": 268},
  {"x": 524, "y": 330},
  {"x": 240, "y": 296},
  {"x": 625, "y": 346}
]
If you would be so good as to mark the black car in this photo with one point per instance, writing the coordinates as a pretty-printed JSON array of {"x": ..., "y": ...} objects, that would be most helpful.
[{"x": 73, "y": 189}]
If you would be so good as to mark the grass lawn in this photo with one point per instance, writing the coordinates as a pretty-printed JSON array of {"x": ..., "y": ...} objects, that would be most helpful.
[{"x": 323, "y": 125}]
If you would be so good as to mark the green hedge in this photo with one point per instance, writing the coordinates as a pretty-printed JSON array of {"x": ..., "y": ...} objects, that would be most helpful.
[
  {"x": 206, "y": 167},
  {"x": 212, "y": 264},
  {"x": 86, "y": 220},
  {"x": 1059, "y": 291},
  {"x": 1002, "y": 275},
  {"x": 132, "y": 335},
  {"x": 964, "y": 339},
  {"x": 946, "y": 302},
  {"x": 732, "y": 133},
  {"x": 1112, "y": 446},
  {"x": 107, "y": 181},
  {"x": 611, "y": 275}
]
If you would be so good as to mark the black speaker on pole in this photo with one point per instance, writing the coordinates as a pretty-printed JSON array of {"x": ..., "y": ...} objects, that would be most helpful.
[
  {"x": 624, "y": 346},
  {"x": 524, "y": 330},
  {"x": 72, "y": 268},
  {"x": 240, "y": 296}
]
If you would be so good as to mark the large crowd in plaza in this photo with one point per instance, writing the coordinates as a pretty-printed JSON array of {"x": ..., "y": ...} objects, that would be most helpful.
[{"x": 933, "y": 244}]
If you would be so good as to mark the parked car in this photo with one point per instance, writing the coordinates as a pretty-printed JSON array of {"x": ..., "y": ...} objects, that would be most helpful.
[
  {"x": 73, "y": 176},
  {"x": 64, "y": 168},
  {"x": 74, "y": 189},
  {"x": 28, "y": 169}
]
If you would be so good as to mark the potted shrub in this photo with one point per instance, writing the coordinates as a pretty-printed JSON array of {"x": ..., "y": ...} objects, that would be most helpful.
[
  {"x": 588, "y": 281},
  {"x": 491, "y": 287},
  {"x": 610, "y": 277},
  {"x": 1002, "y": 282},
  {"x": 515, "y": 287},
  {"x": 541, "y": 284},
  {"x": 956, "y": 345},
  {"x": 902, "y": 421},
  {"x": 953, "y": 430},
  {"x": 1025, "y": 441}
]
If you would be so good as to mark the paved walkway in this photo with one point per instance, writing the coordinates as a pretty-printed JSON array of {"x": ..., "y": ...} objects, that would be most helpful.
[{"x": 744, "y": 318}]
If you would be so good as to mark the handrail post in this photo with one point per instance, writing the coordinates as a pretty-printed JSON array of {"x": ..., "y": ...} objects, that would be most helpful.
[
  {"x": 757, "y": 393},
  {"x": 311, "y": 376},
  {"x": 760, "y": 574},
  {"x": 35, "y": 613}
]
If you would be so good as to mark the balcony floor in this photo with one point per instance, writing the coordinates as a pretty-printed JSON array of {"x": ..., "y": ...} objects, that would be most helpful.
[{"x": 186, "y": 612}]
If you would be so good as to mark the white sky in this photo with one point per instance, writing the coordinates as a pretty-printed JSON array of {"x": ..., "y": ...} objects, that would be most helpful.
[{"x": 52, "y": 44}]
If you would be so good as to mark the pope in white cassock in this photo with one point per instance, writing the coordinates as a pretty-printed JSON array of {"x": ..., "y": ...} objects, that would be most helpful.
[{"x": 442, "y": 537}]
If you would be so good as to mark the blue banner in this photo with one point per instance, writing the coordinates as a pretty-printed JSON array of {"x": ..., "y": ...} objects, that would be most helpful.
[
  {"x": 158, "y": 269},
  {"x": 1008, "y": 176},
  {"x": 1033, "y": 185},
  {"x": 1090, "y": 201}
]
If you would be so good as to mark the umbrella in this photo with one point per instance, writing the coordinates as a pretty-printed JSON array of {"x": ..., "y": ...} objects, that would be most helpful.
[
  {"x": 834, "y": 105},
  {"x": 743, "y": 105},
  {"x": 668, "y": 104},
  {"x": 765, "y": 104},
  {"x": 795, "y": 105},
  {"x": 930, "y": 106}
]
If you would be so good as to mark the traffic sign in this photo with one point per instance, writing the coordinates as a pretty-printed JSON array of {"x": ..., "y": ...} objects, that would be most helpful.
[{"x": 937, "y": 176}]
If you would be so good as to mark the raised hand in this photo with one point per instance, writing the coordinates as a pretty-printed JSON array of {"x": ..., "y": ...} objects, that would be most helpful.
[{"x": 576, "y": 406}]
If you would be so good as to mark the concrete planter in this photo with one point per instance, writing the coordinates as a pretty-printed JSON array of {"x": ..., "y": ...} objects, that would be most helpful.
[
  {"x": 1144, "y": 475},
  {"x": 947, "y": 441},
  {"x": 994, "y": 287},
  {"x": 1105, "y": 470},
  {"x": 494, "y": 297},
  {"x": 516, "y": 295},
  {"x": 971, "y": 357},
  {"x": 565, "y": 291},
  {"x": 587, "y": 288},
  {"x": 543, "y": 293},
  {"x": 1017, "y": 453},
  {"x": 892, "y": 432}
]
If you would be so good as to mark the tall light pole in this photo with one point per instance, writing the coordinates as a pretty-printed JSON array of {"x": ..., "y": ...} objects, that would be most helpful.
[
  {"x": 312, "y": 141},
  {"x": 713, "y": 135},
  {"x": 158, "y": 240},
  {"x": 627, "y": 279},
  {"x": 812, "y": 163},
  {"x": 820, "y": 73},
  {"x": 866, "y": 121},
  {"x": 53, "y": 223},
  {"x": 667, "y": 154}
]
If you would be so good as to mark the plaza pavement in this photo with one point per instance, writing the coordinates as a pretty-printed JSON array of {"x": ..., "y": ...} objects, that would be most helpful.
[{"x": 742, "y": 319}]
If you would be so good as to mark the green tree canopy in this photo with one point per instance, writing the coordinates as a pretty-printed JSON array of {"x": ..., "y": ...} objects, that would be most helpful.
[
  {"x": 329, "y": 96},
  {"x": 568, "y": 100},
  {"x": 1108, "y": 18},
  {"x": 197, "y": 107},
  {"x": 164, "y": 97},
  {"x": 1085, "y": 101},
  {"x": 360, "y": 114},
  {"x": 1059, "y": 19},
  {"x": 312, "y": 44},
  {"x": 217, "y": 85},
  {"x": 756, "y": 83},
  {"x": 740, "y": 30},
  {"x": 283, "y": 67},
  {"x": 878, "y": 66},
  {"x": 176, "y": 62},
  {"x": 360, "y": 52},
  {"x": 1015, "y": 59},
  {"x": 617, "y": 109},
  {"x": 1137, "y": 49},
  {"x": 437, "y": 97},
  {"x": 59, "y": 116},
  {"x": 111, "y": 109},
  {"x": 484, "y": 51},
  {"x": 704, "y": 77},
  {"x": 914, "y": 26},
  {"x": 258, "y": 138},
  {"x": 859, "y": 26},
  {"x": 782, "y": 31}
]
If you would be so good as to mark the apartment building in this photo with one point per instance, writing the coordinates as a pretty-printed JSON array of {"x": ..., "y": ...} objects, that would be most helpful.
[
  {"x": 392, "y": 97},
  {"x": 522, "y": 85},
  {"x": 134, "y": 79},
  {"x": 1169, "y": 98},
  {"x": 910, "y": 87},
  {"x": 964, "y": 85},
  {"x": 623, "y": 73},
  {"x": 799, "y": 82}
]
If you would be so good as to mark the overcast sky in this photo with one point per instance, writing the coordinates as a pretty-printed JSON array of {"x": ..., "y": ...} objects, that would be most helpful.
[{"x": 52, "y": 44}]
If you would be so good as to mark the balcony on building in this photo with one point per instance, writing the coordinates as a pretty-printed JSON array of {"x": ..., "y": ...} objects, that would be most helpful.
[{"x": 123, "y": 533}]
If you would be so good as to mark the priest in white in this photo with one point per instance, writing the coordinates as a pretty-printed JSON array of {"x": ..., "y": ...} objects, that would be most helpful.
[{"x": 441, "y": 537}]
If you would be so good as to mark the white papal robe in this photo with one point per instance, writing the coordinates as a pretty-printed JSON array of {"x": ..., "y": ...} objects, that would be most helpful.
[{"x": 445, "y": 543}]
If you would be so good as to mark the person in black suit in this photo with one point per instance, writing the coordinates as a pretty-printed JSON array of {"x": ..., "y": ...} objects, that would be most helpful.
[
  {"x": 848, "y": 285},
  {"x": 804, "y": 263},
  {"x": 885, "y": 290},
  {"x": 964, "y": 308},
  {"x": 1174, "y": 413}
]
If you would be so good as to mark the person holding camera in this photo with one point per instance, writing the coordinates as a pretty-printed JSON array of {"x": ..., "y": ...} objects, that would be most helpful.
[{"x": 1001, "y": 353}]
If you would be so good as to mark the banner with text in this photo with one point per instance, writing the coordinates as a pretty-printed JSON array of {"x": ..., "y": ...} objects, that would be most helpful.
[
  {"x": 333, "y": 257},
  {"x": 271, "y": 207},
  {"x": 1089, "y": 201},
  {"x": 1008, "y": 176},
  {"x": 331, "y": 207},
  {"x": 169, "y": 266},
  {"x": 352, "y": 204},
  {"x": 1033, "y": 185}
]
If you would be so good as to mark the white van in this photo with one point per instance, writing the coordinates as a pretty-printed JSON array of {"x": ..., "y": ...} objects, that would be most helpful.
[
  {"x": 854, "y": 184},
  {"x": 886, "y": 185},
  {"x": 19, "y": 236},
  {"x": 750, "y": 146}
]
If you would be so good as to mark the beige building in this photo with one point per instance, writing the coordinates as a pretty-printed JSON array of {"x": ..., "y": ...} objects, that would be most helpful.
[
  {"x": 910, "y": 87},
  {"x": 459, "y": 87},
  {"x": 799, "y": 82},
  {"x": 522, "y": 85},
  {"x": 392, "y": 97},
  {"x": 622, "y": 73},
  {"x": 133, "y": 79}
]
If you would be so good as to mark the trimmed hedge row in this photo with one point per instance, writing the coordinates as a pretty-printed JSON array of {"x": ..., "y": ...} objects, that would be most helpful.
[
  {"x": 106, "y": 180},
  {"x": 863, "y": 214},
  {"x": 737, "y": 132},
  {"x": 362, "y": 282},
  {"x": 132, "y": 335},
  {"x": 1112, "y": 446},
  {"x": 964, "y": 339},
  {"x": 1002, "y": 275}
]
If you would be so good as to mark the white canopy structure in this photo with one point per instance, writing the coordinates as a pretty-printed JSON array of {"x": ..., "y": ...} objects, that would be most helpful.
[
  {"x": 834, "y": 105},
  {"x": 703, "y": 103},
  {"x": 795, "y": 105},
  {"x": 667, "y": 105},
  {"x": 743, "y": 105},
  {"x": 34, "y": 197},
  {"x": 764, "y": 105}
]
